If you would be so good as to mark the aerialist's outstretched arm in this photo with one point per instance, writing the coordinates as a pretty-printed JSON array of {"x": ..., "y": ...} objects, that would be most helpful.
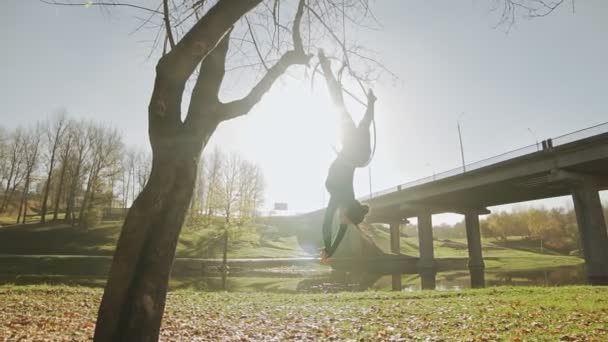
[{"x": 335, "y": 91}]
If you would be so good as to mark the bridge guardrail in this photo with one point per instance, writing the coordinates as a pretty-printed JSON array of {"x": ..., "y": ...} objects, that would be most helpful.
[{"x": 557, "y": 141}]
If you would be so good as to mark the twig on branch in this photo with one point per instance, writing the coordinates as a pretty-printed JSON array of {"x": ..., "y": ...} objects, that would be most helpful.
[
  {"x": 292, "y": 57},
  {"x": 168, "y": 24},
  {"x": 117, "y": 4},
  {"x": 255, "y": 43}
]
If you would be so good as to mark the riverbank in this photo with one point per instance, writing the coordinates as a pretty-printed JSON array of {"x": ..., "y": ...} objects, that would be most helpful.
[{"x": 568, "y": 314}]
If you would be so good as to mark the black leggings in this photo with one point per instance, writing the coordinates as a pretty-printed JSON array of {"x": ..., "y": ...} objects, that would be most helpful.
[{"x": 330, "y": 212}]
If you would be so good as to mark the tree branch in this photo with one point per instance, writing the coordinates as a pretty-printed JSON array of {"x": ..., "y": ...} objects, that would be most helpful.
[
  {"x": 168, "y": 24},
  {"x": 100, "y": 4},
  {"x": 174, "y": 68},
  {"x": 292, "y": 57},
  {"x": 207, "y": 87},
  {"x": 179, "y": 64},
  {"x": 243, "y": 106},
  {"x": 255, "y": 44}
]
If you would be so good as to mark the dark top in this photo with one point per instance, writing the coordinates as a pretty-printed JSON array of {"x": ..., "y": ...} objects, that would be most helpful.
[{"x": 355, "y": 153}]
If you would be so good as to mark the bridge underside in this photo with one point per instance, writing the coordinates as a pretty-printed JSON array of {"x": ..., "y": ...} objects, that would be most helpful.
[{"x": 578, "y": 169}]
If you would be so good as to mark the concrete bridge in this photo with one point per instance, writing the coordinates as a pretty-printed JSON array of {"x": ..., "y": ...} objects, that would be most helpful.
[{"x": 575, "y": 164}]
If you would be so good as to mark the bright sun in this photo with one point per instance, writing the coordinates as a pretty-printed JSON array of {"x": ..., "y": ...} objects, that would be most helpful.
[{"x": 292, "y": 135}]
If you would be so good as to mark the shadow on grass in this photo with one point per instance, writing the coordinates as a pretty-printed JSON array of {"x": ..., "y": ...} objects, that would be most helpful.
[{"x": 59, "y": 239}]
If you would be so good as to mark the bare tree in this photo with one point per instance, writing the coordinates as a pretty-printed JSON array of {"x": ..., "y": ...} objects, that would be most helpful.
[
  {"x": 197, "y": 37},
  {"x": 4, "y": 152},
  {"x": 251, "y": 191},
  {"x": 128, "y": 176},
  {"x": 65, "y": 151},
  {"x": 106, "y": 145},
  {"x": 54, "y": 131},
  {"x": 16, "y": 166},
  {"x": 31, "y": 149},
  {"x": 198, "y": 203},
  {"x": 143, "y": 168},
  {"x": 213, "y": 175},
  {"x": 79, "y": 155}
]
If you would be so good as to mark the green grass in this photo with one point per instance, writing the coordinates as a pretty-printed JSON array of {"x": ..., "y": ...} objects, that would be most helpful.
[
  {"x": 497, "y": 256},
  {"x": 61, "y": 239},
  {"x": 515, "y": 314}
]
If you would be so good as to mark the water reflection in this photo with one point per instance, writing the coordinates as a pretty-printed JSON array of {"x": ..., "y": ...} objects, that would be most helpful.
[{"x": 324, "y": 280}]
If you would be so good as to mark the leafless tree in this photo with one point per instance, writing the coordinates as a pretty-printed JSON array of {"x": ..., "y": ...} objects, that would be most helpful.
[
  {"x": 251, "y": 192},
  {"x": 213, "y": 172},
  {"x": 128, "y": 176},
  {"x": 106, "y": 145},
  {"x": 54, "y": 132},
  {"x": 198, "y": 203},
  {"x": 267, "y": 36},
  {"x": 15, "y": 166},
  {"x": 4, "y": 152},
  {"x": 78, "y": 156},
  {"x": 31, "y": 150},
  {"x": 143, "y": 168},
  {"x": 64, "y": 150}
]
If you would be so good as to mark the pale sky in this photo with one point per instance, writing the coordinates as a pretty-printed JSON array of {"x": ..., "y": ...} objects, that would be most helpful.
[{"x": 547, "y": 74}]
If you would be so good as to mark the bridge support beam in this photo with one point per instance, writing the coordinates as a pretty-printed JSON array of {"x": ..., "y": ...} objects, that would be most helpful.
[
  {"x": 395, "y": 241},
  {"x": 475, "y": 263},
  {"x": 395, "y": 237},
  {"x": 425, "y": 241},
  {"x": 592, "y": 230}
]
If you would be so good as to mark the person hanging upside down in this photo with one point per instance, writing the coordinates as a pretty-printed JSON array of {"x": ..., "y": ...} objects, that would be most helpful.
[{"x": 355, "y": 153}]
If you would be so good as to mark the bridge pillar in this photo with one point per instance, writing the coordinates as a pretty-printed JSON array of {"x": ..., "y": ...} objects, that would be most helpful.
[
  {"x": 592, "y": 230},
  {"x": 475, "y": 263},
  {"x": 395, "y": 237},
  {"x": 395, "y": 248},
  {"x": 425, "y": 241}
]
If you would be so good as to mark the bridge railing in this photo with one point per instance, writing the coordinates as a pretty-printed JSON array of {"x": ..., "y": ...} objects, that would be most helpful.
[{"x": 557, "y": 141}]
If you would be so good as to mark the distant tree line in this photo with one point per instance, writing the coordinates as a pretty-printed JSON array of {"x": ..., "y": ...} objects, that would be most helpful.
[
  {"x": 60, "y": 168},
  {"x": 555, "y": 227},
  {"x": 77, "y": 171}
]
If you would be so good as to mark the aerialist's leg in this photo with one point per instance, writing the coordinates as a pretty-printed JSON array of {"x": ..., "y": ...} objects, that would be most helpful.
[
  {"x": 346, "y": 123},
  {"x": 328, "y": 218},
  {"x": 369, "y": 113}
]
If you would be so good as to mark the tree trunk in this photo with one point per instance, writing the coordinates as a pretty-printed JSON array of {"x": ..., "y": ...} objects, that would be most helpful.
[
  {"x": 64, "y": 161},
  {"x": 87, "y": 198},
  {"x": 72, "y": 195},
  {"x": 23, "y": 203},
  {"x": 225, "y": 258},
  {"x": 6, "y": 192},
  {"x": 59, "y": 192},
  {"x": 134, "y": 299},
  {"x": 47, "y": 186}
]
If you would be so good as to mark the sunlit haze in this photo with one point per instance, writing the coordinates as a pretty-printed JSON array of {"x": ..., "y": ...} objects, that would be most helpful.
[{"x": 543, "y": 78}]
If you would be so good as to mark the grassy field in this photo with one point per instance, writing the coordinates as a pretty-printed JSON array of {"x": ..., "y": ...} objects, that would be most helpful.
[
  {"x": 520, "y": 255},
  {"x": 512, "y": 314},
  {"x": 61, "y": 239}
]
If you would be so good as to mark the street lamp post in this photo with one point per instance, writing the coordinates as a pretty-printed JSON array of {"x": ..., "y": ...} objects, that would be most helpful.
[
  {"x": 464, "y": 168},
  {"x": 535, "y": 138}
]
